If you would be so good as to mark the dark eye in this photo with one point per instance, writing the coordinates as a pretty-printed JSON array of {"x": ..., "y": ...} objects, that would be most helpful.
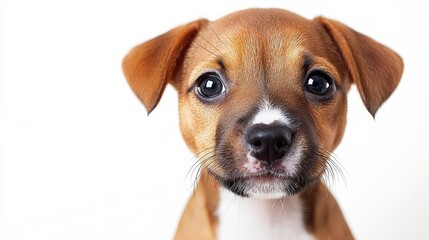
[
  {"x": 210, "y": 85},
  {"x": 319, "y": 84}
]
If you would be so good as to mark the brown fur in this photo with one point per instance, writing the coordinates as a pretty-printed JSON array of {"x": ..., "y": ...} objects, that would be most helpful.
[{"x": 262, "y": 52}]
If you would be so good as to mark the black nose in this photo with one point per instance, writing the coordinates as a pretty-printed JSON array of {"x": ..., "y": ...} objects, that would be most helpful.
[{"x": 268, "y": 142}]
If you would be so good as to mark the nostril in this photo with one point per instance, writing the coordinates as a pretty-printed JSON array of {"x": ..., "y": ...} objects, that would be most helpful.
[
  {"x": 256, "y": 140},
  {"x": 281, "y": 144},
  {"x": 256, "y": 143}
]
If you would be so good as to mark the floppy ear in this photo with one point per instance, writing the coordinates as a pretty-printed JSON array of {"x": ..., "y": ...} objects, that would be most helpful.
[
  {"x": 374, "y": 68},
  {"x": 151, "y": 65}
]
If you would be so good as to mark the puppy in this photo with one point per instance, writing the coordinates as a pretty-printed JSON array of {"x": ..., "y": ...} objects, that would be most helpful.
[{"x": 262, "y": 103}]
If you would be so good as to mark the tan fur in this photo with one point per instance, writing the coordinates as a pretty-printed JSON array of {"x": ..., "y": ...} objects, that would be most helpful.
[
  {"x": 263, "y": 52},
  {"x": 367, "y": 62},
  {"x": 151, "y": 65}
]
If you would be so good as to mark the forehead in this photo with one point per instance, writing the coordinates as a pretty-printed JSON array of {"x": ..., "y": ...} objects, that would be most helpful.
[{"x": 258, "y": 44}]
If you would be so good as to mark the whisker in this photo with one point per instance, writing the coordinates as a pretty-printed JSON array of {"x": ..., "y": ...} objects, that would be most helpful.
[
  {"x": 327, "y": 160},
  {"x": 333, "y": 50},
  {"x": 332, "y": 165},
  {"x": 200, "y": 167},
  {"x": 339, "y": 168},
  {"x": 203, "y": 166},
  {"x": 209, "y": 43},
  {"x": 215, "y": 33},
  {"x": 206, "y": 49},
  {"x": 198, "y": 161}
]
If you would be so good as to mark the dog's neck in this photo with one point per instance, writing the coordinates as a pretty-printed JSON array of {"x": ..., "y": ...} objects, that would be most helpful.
[
  {"x": 250, "y": 218},
  {"x": 214, "y": 213}
]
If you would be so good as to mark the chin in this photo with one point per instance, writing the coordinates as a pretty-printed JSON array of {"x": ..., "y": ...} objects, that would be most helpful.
[{"x": 266, "y": 186}]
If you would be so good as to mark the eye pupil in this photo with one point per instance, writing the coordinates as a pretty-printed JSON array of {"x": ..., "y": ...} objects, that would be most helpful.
[
  {"x": 210, "y": 85},
  {"x": 318, "y": 85}
]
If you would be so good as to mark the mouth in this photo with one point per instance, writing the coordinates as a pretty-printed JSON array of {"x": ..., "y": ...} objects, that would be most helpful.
[
  {"x": 265, "y": 176},
  {"x": 265, "y": 185}
]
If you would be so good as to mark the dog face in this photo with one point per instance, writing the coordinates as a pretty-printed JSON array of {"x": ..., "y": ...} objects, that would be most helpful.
[{"x": 262, "y": 93}]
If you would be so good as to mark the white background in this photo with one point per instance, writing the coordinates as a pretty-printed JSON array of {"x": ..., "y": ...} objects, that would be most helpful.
[{"x": 79, "y": 158}]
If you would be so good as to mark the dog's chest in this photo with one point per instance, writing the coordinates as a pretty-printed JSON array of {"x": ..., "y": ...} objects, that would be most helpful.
[{"x": 254, "y": 219}]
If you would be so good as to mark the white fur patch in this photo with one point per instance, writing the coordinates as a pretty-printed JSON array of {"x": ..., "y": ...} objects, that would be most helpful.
[
  {"x": 271, "y": 190},
  {"x": 256, "y": 219},
  {"x": 268, "y": 114},
  {"x": 252, "y": 164},
  {"x": 294, "y": 158}
]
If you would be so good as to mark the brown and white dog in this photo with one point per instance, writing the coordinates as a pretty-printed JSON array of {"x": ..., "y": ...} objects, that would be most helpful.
[{"x": 262, "y": 103}]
